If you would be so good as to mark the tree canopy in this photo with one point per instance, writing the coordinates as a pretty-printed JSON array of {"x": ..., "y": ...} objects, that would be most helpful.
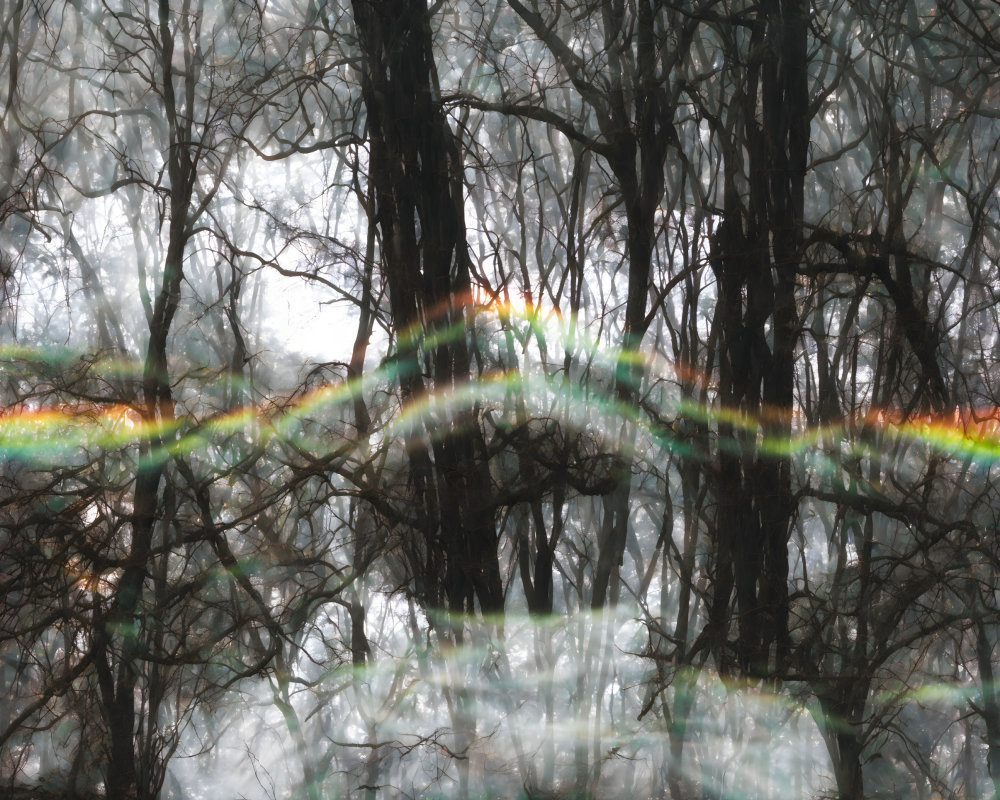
[{"x": 518, "y": 399}]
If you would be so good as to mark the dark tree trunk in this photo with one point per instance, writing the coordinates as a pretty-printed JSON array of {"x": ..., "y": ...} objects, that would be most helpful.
[
  {"x": 756, "y": 253},
  {"x": 991, "y": 703},
  {"x": 416, "y": 169},
  {"x": 637, "y": 148},
  {"x": 124, "y": 780},
  {"x": 843, "y": 702}
]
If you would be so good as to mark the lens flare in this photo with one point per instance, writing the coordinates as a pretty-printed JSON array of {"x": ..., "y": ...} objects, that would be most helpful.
[{"x": 45, "y": 433}]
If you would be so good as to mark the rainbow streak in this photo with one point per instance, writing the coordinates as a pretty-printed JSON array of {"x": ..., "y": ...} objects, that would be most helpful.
[
  {"x": 49, "y": 434},
  {"x": 45, "y": 435}
]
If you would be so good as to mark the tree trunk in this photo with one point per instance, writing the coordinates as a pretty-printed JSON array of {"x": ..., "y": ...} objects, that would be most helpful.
[
  {"x": 843, "y": 701},
  {"x": 158, "y": 414},
  {"x": 756, "y": 252},
  {"x": 416, "y": 169},
  {"x": 991, "y": 703},
  {"x": 639, "y": 147}
]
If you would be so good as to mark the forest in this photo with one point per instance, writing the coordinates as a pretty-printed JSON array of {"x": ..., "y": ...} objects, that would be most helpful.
[{"x": 499, "y": 399}]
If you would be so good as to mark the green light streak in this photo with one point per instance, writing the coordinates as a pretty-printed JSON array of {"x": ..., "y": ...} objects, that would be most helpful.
[{"x": 49, "y": 435}]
